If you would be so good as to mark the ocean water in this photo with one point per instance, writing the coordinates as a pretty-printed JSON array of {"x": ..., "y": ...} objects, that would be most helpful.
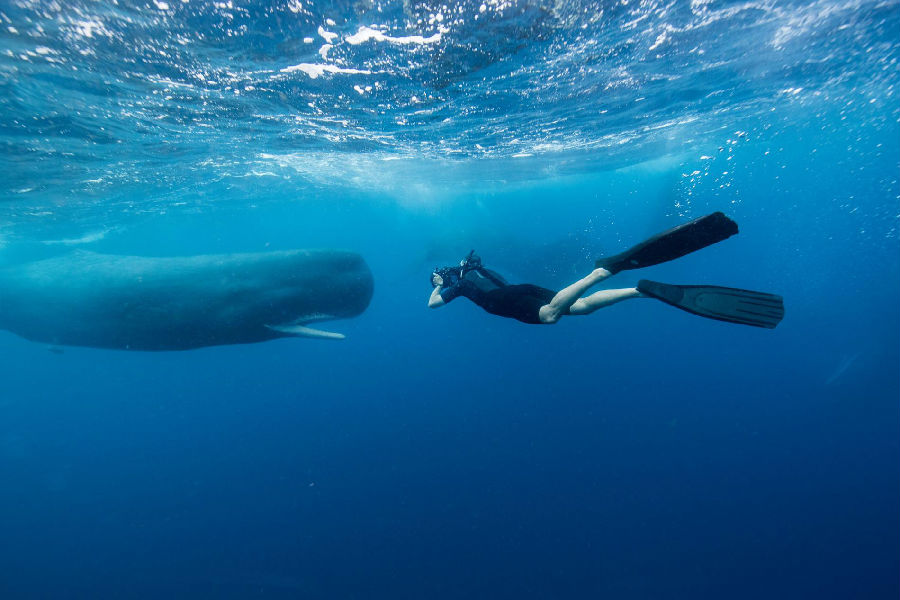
[{"x": 640, "y": 452}]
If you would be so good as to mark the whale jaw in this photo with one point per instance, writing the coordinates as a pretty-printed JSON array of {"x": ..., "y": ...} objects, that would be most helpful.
[
  {"x": 298, "y": 328},
  {"x": 302, "y": 331}
]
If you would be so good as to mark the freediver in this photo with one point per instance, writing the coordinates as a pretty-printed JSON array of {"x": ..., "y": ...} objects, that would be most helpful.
[{"x": 537, "y": 305}]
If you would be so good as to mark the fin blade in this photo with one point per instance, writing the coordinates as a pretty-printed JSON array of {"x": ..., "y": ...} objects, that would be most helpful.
[
  {"x": 733, "y": 305},
  {"x": 672, "y": 243}
]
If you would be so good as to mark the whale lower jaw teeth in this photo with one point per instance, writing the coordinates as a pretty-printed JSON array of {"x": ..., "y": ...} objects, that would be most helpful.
[{"x": 311, "y": 318}]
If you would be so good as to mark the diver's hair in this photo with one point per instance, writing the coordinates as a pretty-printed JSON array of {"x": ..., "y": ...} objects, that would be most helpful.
[{"x": 492, "y": 276}]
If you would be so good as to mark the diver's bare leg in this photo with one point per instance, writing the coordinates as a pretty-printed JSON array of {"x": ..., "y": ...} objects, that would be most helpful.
[
  {"x": 597, "y": 300},
  {"x": 566, "y": 297}
]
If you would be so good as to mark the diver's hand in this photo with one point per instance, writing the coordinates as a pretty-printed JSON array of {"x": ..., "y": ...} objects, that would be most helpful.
[{"x": 437, "y": 280}]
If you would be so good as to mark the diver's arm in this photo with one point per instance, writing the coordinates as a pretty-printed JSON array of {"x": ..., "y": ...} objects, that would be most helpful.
[{"x": 435, "y": 301}]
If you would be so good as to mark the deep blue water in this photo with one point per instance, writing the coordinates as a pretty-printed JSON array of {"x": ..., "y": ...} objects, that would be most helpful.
[{"x": 640, "y": 452}]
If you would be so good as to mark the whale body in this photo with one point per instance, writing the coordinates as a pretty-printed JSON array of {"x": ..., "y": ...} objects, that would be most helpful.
[{"x": 179, "y": 303}]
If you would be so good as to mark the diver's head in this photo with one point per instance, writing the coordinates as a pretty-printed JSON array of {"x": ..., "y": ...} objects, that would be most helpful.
[{"x": 449, "y": 275}]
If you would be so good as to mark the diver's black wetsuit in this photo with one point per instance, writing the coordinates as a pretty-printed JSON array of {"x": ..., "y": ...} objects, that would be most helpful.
[{"x": 490, "y": 291}]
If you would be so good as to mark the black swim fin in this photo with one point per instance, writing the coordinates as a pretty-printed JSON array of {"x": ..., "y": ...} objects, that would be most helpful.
[
  {"x": 725, "y": 304},
  {"x": 673, "y": 243}
]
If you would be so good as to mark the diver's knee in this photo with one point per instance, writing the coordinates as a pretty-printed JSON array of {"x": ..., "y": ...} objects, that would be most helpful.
[
  {"x": 548, "y": 314},
  {"x": 599, "y": 274}
]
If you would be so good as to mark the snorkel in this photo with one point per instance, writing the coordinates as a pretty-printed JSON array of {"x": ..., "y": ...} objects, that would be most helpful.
[{"x": 470, "y": 262}]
